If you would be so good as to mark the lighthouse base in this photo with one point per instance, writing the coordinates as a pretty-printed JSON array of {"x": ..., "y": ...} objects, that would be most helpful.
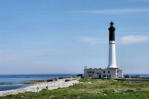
[
  {"x": 100, "y": 73},
  {"x": 112, "y": 66}
]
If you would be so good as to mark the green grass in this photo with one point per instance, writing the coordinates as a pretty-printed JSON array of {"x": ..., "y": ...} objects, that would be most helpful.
[{"x": 92, "y": 89}]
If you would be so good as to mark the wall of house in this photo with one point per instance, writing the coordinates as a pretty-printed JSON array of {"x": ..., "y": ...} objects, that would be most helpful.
[{"x": 102, "y": 73}]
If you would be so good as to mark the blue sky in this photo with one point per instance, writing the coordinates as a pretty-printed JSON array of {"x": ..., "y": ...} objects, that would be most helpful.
[{"x": 63, "y": 36}]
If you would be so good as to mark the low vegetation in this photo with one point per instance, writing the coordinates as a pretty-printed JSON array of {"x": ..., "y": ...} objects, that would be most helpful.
[{"x": 92, "y": 89}]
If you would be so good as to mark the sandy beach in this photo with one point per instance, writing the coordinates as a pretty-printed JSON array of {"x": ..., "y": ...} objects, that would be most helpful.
[{"x": 60, "y": 83}]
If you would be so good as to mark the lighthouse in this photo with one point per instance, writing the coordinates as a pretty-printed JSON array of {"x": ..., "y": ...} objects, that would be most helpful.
[
  {"x": 111, "y": 71},
  {"x": 112, "y": 49}
]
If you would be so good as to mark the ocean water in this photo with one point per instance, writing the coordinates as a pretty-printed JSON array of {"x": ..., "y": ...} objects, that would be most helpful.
[
  {"x": 11, "y": 87},
  {"x": 21, "y": 78},
  {"x": 140, "y": 75}
]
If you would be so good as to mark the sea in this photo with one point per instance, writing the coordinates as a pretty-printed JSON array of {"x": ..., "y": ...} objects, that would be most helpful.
[
  {"x": 7, "y": 80},
  {"x": 10, "y": 82}
]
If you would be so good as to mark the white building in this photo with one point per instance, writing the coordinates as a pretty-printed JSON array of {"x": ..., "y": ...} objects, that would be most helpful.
[
  {"x": 112, "y": 71},
  {"x": 103, "y": 73}
]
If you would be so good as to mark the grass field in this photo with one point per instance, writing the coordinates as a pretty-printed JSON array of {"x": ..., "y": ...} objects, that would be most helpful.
[{"x": 92, "y": 89}]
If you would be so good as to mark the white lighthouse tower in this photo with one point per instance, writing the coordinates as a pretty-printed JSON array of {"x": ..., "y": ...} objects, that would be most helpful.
[
  {"x": 112, "y": 71},
  {"x": 112, "y": 49}
]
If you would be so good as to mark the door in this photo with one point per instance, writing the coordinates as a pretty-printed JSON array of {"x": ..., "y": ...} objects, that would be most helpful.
[{"x": 99, "y": 76}]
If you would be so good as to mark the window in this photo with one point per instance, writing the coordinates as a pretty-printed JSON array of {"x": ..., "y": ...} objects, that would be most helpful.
[
  {"x": 109, "y": 76},
  {"x": 104, "y": 71},
  {"x": 90, "y": 75},
  {"x": 108, "y": 71},
  {"x": 104, "y": 75},
  {"x": 91, "y": 72}
]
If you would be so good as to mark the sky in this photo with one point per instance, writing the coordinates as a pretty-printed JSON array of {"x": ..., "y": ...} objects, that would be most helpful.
[{"x": 63, "y": 36}]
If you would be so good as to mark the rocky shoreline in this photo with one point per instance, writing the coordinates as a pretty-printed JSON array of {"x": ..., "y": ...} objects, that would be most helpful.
[{"x": 38, "y": 85}]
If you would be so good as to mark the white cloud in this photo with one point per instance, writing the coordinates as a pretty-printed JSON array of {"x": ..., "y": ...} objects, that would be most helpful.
[
  {"x": 114, "y": 11},
  {"x": 91, "y": 40},
  {"x": 131, "y": 39}
]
